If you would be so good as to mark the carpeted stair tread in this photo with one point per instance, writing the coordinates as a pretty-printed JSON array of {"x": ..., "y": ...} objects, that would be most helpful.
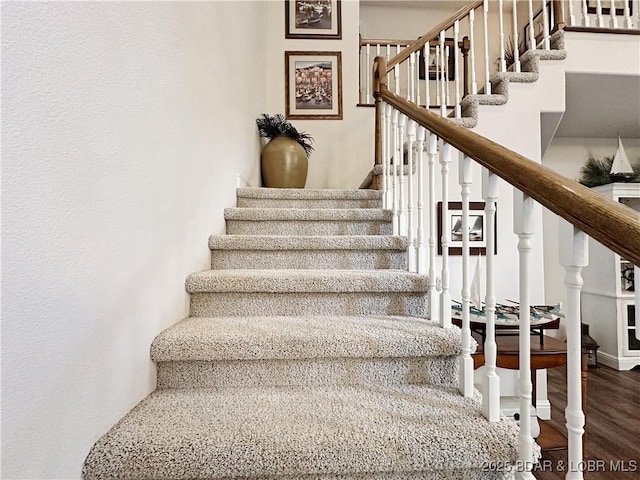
[
  {"x": 308, "y": 194},
  {"x": 295, "y": 280},
  {"x": 292, "y": 432},
  {"x": 323, "y": 336},
  {"x": 308, "y": 214},
  {"x": 307, "y": 242}
]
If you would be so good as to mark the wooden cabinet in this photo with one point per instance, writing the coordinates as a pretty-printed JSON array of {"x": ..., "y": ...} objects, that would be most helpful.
[{"x": 608, "y": 303}]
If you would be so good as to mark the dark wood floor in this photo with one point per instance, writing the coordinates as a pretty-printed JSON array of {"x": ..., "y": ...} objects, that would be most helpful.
[{"x": 612, "y": 443}]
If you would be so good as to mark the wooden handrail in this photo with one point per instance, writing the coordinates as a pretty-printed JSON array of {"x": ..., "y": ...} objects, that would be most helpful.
[
  {"x": 612, "y": 224},
  {"x": 432, "y": 34}
]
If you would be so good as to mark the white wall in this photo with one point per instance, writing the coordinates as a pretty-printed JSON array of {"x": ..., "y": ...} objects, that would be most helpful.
[
  {"x": 121, "y": 138},
  {"x": 343, "y": 148},
  {"x": 566, "y": 156}
]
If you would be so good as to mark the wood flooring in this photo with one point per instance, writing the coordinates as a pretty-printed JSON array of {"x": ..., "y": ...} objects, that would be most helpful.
[{"x": 612, "y": 442}]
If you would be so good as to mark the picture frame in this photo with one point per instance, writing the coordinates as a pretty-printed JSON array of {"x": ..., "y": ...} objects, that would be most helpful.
[
  {"x": 432, "y": 62},
  {"x": 592, "y": 7},
  {"x": 538, "y": 27},
  {"x": 313, "y": 19},
  {"x": 477, "y": 222},
  {"x": 313, "y": 85}
]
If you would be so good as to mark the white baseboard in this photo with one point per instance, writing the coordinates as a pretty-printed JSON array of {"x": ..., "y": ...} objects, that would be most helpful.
[{"x": 618, "y": 363}]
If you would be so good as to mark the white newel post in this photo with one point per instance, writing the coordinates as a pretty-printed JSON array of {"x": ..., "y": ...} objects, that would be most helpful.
[
  {"x": 411, "y": 248},
  {"x": 433, "y": 293},
  {"x": 420, "y": 247},
  {"x": 445, "y": 295},
  {"x": 523, "y": 207},
  {"x": 491, "y": 381},
  {"x": 466, "y": 362},
  {"x": 574, "y": 256}
]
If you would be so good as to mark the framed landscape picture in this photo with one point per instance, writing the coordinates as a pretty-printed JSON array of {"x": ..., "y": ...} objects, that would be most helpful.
[
  {"x": 313, "y": 85},
  {"x": 317, "y": 19}
]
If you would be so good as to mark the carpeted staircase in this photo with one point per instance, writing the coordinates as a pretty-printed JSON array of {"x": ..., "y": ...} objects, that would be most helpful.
[{"x": 306, "y": 356}]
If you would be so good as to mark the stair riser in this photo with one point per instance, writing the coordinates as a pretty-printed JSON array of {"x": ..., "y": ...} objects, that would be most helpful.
[
  {"x": 259, "y": 303},
  {"x": 436, "y": 371},
  {"x": 309, "y": 259},
  {"x": 284, "y": 227},
  {"x": 303, "y": 203}
]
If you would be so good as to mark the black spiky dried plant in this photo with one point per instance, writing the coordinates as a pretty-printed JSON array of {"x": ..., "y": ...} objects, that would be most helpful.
[
  {"x": 270, "y": 126},
  {"x": 596, "y": 172}
]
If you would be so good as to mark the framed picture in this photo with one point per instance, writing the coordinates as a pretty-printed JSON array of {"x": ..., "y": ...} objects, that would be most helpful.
[
  {"x": 313, "y": 85},
  {"x": 318, "y": 19},
  {"x": 434, "y": 61},
  {"x": 477, "y": 229},
  {"x": 538, "y": 27},
  {"x": 592, "y": 6}
]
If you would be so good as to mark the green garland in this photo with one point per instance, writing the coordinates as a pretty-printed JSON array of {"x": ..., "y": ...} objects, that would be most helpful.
[{"x": 596, "y": 172}]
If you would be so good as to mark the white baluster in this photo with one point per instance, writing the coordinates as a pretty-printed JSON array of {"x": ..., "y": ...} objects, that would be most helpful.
[
  {"x": 574, "y": 255},
  {"x": 401, "y": 196},
  {"x": 585, "y": 14},
  {"x": 523, "y": 227},
  {"x": 447, "y": 73},
  {"x": 396, "y": 74},
  {"x": 627, "y": 16},
  {"x": 433, "y": 292},
  {"x": 368, "y": 55},
  {"x": 411, "y": 248},
  {"x": 445, "y": 60},
  {"x": 600, "y": 20},
  {"x": 445, "y": 295},
  {"x": 438, "y": 79},
  {"x": 612, "y": 11},
  {"x": 416, "y": 77},
  {"x": 503, "y": 62},
  {"x": 532, "y": 33},
  {"x": 420, "y": 247},
  {"x": 572, "y": 17},
  {"x": 397, "y": 147},
  {"x": 427, "y": 93},
  {"x": 388, "y": 155},
  {"x": 516, "y": 45},
  {"x": 545, "y": 26},
  {"x": 412, "y": 77},
  {"x": 472, "y": 55},
  {"x": 456, "y": 67},
  {"x": 385, "y": 155},
  {"x": 485, "y": 17},
  {"x": 491, "y": 381},
  {"x": 466, "y": 362}
]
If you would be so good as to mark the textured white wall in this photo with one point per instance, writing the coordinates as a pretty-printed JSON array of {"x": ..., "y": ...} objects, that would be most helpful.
[{"x": 122, "y": 134}]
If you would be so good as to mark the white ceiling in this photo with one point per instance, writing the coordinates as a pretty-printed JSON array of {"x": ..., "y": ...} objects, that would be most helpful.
[{"x": 601, "y": 106}]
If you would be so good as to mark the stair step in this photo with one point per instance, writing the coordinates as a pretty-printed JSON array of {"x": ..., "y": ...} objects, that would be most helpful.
[
  {"x": 308, "y": 221},
  {"x": 348, "y": 432},
  {"x": 307, "y": 252},
  {"x": 322, "y": 350},
  {"x": 307, "y": 198},
  {"x": 216, "y": 293}
]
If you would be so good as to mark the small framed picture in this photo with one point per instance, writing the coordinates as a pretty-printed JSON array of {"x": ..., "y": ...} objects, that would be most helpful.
[
  {"x": 317, "y": 19},
  {"x": 435, "y": 70},
  {"x": 313, "y": 85},
  {"x": 477, "y": 229}
]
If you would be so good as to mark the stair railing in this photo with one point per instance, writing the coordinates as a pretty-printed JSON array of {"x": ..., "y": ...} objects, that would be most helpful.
[
  {"x": 404, "y": 129},
  {"x": 584, "y": 211}
]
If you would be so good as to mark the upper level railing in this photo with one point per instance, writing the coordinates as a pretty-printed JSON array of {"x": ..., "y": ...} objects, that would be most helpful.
[{"x": 407, "y": 132}]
